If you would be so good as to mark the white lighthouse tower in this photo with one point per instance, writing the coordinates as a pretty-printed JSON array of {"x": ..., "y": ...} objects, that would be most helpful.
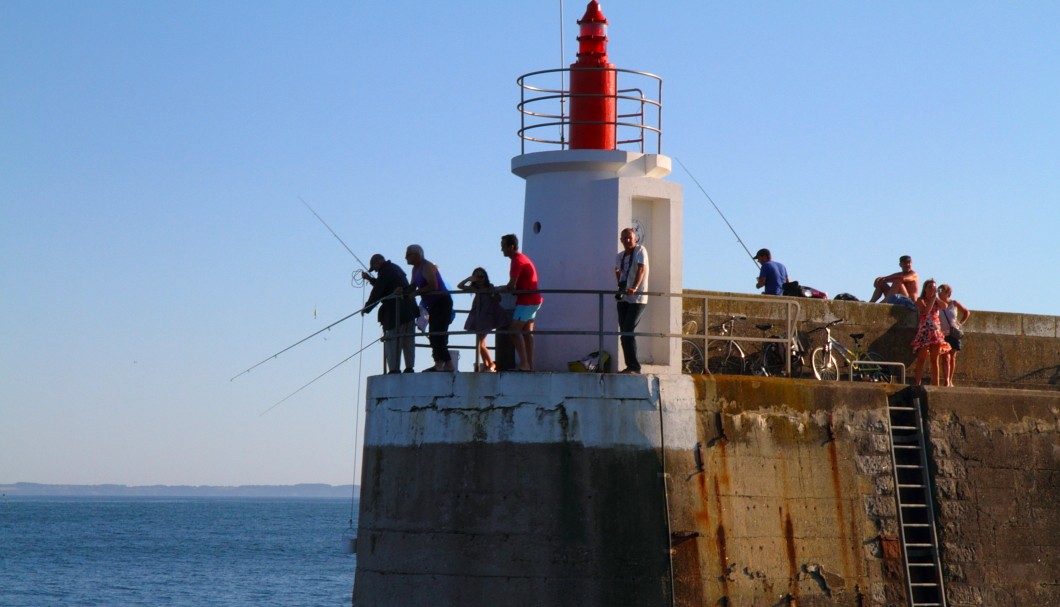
[{"x": 581, "y": 195}]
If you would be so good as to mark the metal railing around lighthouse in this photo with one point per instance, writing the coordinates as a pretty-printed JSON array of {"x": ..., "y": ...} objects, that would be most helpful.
[
  {"x": 790, "y": 315},
  {"x": 544, "y": 109}
]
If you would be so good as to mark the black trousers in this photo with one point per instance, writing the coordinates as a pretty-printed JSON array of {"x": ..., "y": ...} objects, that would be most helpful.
[
  {"x": 629, "y": 315},
  {"x": 441, "y": 316}
]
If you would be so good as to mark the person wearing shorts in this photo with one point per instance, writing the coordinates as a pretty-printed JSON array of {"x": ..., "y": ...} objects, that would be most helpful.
[{"x": 523, "y": 281}]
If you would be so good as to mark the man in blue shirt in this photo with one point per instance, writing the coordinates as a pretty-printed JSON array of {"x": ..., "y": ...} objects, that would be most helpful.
[{"x": 773, "y": 274}]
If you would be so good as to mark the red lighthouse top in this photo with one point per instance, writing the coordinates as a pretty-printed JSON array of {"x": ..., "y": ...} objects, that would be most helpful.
[{"x": 592, "y": 37}]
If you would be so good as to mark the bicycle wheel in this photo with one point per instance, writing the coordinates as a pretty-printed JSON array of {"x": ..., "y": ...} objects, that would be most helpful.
[
  {"x": 725, "y": 360},
  {"x": 824, "y": 369},
  {"x": 773, "y": 361},
  {"x": 766, "y": 363},
  {"x": 691, "y": 357},
  {"x": 870, "y": 372}
]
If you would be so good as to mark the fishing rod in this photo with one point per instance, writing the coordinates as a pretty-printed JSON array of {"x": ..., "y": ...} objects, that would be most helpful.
[
  {"x": 303, "y": 340},
  {"x": 718, "y": 210},
  {"x": 315, "y": 214},
  {"x": 327, "y": 328},
  {"x": 314, "y": 380}
]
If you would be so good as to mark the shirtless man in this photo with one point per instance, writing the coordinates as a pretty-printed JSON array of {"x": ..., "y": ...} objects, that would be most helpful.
[{"x": 899, "y": 288}]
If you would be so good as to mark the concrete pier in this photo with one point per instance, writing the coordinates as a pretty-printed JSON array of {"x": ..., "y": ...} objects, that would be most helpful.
[{"x": 556, "y": 489}]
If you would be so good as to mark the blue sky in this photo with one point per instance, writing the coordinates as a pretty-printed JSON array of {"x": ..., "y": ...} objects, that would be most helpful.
[{"x": 152, "y": 157}]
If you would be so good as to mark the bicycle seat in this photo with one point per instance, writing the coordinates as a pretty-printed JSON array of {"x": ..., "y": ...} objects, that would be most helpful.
[
  {"x": 764, "y": 327},
  {"x": 857, "y": 336}
]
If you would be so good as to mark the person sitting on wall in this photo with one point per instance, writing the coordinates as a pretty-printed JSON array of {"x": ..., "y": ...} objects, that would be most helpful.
[
  {"x": 773, "y": 275},
  {"x": 899, "y": 288}
]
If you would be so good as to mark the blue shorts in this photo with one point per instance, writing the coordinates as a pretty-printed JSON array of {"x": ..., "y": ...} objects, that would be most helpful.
[
  {"x": 900, "y": 300},
  {"x": 525, "y": 313}
]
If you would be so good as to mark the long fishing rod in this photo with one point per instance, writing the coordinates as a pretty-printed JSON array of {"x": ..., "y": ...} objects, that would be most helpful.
[
  {"x": 718, "y": 210},
  {"x": 304, "y": 339},
  {"x": 366, "y": 268},
  {"x": 308, "y": 337},
  {"x": 312, "y": 381}
]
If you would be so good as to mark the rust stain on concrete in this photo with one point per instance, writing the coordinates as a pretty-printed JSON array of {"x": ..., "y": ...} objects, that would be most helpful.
[
  {"x": 837, "y": 490},
  {"x": 723, "y": 549},
  {"x": 789, "y": 549},
  {"x": 702, "y": 513}
]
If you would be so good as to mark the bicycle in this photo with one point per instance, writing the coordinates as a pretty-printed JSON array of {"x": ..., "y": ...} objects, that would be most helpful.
[
  {"x": 769, "y": 361},
  {"x": 726, "y": 357},
  {"x": 691, "y": 353},
  {"x": 826, "y": 368}
]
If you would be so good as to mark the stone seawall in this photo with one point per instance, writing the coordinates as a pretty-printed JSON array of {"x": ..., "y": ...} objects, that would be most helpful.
[
  {"x": 1001, "y": 350},
  {"x": 997, "y": 473},
  {"x": 575, "y": 489}
]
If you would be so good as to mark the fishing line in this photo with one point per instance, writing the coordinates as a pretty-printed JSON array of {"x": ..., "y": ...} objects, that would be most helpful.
[
  {"x": 303, "y": 340},
  {"x": 366, "y": 269},
  {"x": 314, "y": 380},
  {"x": 357, "y": 418},
  {"x": 718, "y": 210}
]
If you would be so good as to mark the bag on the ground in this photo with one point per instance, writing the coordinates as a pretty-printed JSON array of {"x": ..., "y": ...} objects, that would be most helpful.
[
  {"x": 846, "y": 297},
  {"x": 596, "y": 362},
  {"x": 792, "y": 289}
]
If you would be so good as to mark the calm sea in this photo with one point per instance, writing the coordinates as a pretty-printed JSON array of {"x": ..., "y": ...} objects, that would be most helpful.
[{"x": 166, "y": 551}]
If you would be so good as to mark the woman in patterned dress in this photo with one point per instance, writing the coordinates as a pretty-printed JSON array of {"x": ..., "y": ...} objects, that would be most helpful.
[{"x": 929, "y": 341}]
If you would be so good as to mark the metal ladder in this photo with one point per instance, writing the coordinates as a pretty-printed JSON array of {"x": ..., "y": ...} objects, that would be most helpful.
[{"x": 916, "y": 507}]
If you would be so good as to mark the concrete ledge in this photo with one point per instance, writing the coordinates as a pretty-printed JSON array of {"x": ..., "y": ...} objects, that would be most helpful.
[
  {"x": 583, "y": 408},
  {"x": 1000, "y": 349}
]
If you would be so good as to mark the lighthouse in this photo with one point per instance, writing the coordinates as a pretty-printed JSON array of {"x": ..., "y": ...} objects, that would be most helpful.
[
  {"x": 580, "y": 196},
  {"x": 546, "y": 489},
  {"x": 592, "y": 86}
]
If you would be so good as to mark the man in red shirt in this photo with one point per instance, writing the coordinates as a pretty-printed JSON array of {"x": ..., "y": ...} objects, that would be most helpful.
[{"x": 523, "y": 278}]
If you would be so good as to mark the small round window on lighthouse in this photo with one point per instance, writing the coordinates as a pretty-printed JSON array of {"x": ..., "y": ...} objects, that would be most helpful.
[{"x": 537, "y": 227}]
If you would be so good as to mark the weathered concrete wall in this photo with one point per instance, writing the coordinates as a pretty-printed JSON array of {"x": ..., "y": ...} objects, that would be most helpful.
[
  {"x": 1000, "y": 349},
  {"x": 545, "y": 490},
  {"x": 794, "y": 503},
  {"x": 516, "y": 489},
  {"x": 997, "y": 466}
]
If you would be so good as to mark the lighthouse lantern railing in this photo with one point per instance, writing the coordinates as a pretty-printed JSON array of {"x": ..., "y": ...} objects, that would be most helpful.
[{"x": 545, "y": 120}]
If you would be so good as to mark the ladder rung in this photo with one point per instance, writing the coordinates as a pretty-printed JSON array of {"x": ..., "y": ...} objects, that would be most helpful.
[
  {"x": 906, "y": 428},
  {"x": 921, "y": 564},
  {"x": 908, "y": 466},
  {"x": 906, "y": 446},
  {"x": 920, "y": 545},
  {"x": 903, "y": 408},
  {"x": 924, "y": 584},
  {"x": 916, "y": 524},
  {"x": 900, "y": 486},
  {"x": 927, "y": 605}
]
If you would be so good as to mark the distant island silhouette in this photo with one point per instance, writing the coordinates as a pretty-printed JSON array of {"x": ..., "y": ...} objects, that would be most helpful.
[{"x": 305, "y": 490}]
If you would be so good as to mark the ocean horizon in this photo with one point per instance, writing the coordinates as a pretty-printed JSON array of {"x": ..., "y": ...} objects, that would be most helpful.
[
  {"x": 189, "y": 551},
  {"x": 306, "y": 490}
]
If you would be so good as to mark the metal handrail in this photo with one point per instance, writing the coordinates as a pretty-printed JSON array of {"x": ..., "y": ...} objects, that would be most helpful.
[
  {"x": 792, "y": 308},
  {"x": 882, "y": 363},
  {"x": 562, "y": 118}
]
